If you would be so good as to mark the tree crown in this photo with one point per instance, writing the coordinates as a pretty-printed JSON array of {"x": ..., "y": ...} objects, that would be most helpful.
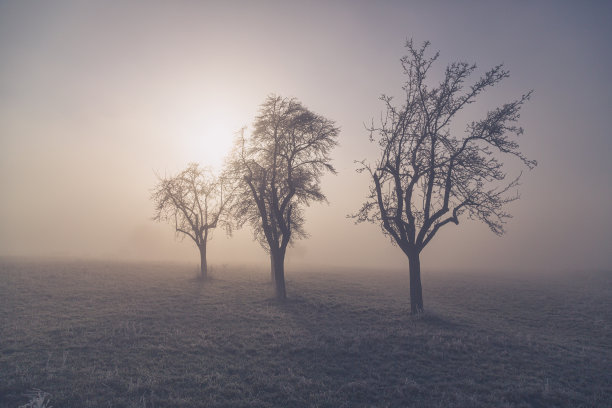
[
  {"x": 427, "y": 175},
  {"x": 195, "y": 200},
  {"x": 279, "y": 168}
]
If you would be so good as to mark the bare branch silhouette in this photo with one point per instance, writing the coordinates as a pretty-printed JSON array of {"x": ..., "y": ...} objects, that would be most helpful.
[
  {"x": 426, "y": 176},
  {"x": 278, "y": 170},
  {"x": 196, "y": 202}
]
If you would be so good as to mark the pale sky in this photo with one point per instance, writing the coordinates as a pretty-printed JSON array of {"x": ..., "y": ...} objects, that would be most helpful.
[{"x": 96, "y": 96}]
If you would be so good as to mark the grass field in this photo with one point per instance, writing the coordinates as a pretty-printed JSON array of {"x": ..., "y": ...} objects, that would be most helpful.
[{"x": 98, "y": 334}]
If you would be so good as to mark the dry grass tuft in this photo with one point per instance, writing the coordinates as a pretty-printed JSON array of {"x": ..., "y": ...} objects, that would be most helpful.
[{"x": 38, "y": 399}]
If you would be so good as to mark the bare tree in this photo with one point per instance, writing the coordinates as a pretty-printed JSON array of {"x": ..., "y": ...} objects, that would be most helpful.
[
  {"x": 196, "y": 202},
  {"x": 428, "y": 175},
  {"x": 279, "y": 168}
]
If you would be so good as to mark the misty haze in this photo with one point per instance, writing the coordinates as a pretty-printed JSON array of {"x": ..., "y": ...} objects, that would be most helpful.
[{"x": 303, "y": 204}]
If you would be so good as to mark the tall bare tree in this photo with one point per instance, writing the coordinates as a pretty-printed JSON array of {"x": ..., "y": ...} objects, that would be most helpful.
[
  {"x": 196, "y": 202},
  {"x": 428, "y": 175},
  {"x": 279, "y": 169}
]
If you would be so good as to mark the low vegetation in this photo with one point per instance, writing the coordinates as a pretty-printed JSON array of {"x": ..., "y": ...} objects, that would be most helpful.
[{"x": 87, "y": 334}]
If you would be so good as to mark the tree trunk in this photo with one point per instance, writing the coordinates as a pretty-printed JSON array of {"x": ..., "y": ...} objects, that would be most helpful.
[
  {"x": 272, "y": 276},
  {"x": 203, "y": 265},
  {"x": 278, "y": 267},
  {"x": 416, "y": 291}
]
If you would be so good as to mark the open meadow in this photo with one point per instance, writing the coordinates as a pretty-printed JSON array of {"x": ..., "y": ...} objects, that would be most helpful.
[{"x": 96, "y": 334}]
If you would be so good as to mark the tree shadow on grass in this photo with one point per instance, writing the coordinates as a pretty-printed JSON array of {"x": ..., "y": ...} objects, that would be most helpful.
[
  {"x": 316, "y": 314},
  {"x": 437, "y": 320}
]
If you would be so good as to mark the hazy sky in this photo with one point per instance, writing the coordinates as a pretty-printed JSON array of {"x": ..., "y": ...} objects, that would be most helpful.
[{"x": 95, "y": 96}]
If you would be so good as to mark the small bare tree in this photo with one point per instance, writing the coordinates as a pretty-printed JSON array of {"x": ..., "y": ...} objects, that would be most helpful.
[
  {"x": 196, "y": 202},
  {"x": 278, "y": 170},
  {"x": 427, "y": 175}
]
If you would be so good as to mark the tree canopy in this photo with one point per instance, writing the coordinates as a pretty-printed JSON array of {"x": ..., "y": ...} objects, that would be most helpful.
[
  {"x": 196, "y": 202},
  {"x": 427, "y": 174},
  {"x": 279, "y": 169}
]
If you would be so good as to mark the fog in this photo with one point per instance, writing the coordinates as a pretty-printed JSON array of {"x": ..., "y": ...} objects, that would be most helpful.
[{"x": 96, "y": 97}]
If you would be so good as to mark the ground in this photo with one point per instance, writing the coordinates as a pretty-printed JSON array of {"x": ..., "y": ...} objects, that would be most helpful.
[{"x": 95, "y": 334}]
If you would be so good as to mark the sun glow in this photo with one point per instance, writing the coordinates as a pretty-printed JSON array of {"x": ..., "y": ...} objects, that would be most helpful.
[{"x": 207, "y": 135}]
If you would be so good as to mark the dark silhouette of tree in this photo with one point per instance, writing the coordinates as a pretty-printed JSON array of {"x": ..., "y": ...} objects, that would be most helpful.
[
  {"x": 427, "y": 174},
  {"x": 278, "y": 169},
  {"x": 196, "y": 202}
]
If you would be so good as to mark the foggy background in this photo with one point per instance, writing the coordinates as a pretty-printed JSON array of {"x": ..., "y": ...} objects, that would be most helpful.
[{"x": 97, "y": 96}]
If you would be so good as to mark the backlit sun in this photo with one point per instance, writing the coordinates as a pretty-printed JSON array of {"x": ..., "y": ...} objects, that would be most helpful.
[{"x": 208, "y": 135}]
